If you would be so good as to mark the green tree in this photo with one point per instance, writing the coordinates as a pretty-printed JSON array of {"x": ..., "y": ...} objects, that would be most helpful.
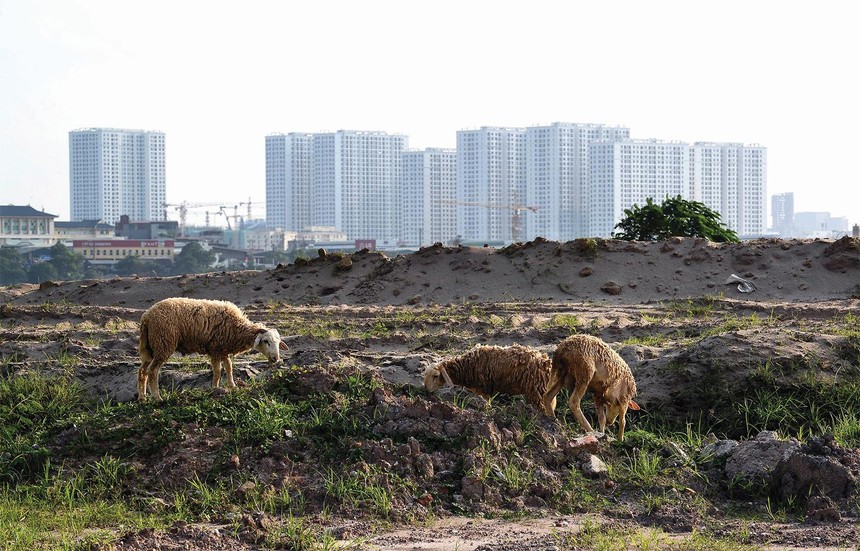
[
  {"x": 12, "y": 268},
  {"x": 674, "y": 217},
  {"x": 193, "y": 258},
  {"x": 69, "y": 265},
  {"x": 130, "y": 265},
  {"x": 41, "y": 271}
]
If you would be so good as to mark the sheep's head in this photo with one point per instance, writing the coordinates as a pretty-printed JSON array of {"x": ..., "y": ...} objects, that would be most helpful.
[
  {"x": 270, "y": 344},
  {"x": 435, "y": 377},
  {"x": 615, "y": 401}
]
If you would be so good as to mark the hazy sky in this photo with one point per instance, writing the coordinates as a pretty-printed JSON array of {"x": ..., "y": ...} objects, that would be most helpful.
[{"x": 217, "y": 77}]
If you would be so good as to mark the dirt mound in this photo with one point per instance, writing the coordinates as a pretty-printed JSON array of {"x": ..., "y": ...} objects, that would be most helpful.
[{"x": 606, "y": 271}]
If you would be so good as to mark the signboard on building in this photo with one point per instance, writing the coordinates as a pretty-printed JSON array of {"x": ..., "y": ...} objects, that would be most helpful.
[{"x": 369, "y": 244}]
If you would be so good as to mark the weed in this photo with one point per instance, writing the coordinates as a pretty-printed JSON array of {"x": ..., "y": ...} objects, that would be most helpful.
[
  {"x": 566, "y": 321},
  {"x": 643, "y": 467}
]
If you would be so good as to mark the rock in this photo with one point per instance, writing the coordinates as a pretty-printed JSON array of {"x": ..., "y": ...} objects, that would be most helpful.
[
  {"x": 245, "y": 488},
  {"x": 344, "y": 265},
  {"x": 671, "y": 449},
  {"x": 585, "y": 272},
  {"x": 593, "y": 467},
  {"x": 717, "y": 451},
  {"x": 233, "y": 462},
  {"x": 322, "y": 253},
  {"x": 473, "y": 489},
  {"x": 822, "y": 509},
  {"x": 753, "y": 461},
  {"x": 611, "y": 288},
  {"x": 588, "y": 443},
  {"x": 424, "y": 466},
  {"x": 803, "y": 474}
]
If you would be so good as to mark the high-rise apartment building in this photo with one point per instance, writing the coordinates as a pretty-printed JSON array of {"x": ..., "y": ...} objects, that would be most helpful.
[
  {"x": 290, "y": 181},
  {"x": 429, "y": 187},
  {"x": 752, "y": 190},
  {"x": 627, "y": 172},
  {"x": 114, "y": 172},
  {"x": 731, "y": 178},
  {"x": 782, "y": 211},
  {"x": 347, "y": 179},
  {"x": 491, "y": 182},
  {"x": 557, "y": 177}
]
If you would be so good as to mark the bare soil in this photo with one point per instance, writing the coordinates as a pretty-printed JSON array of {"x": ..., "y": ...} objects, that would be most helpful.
[{"x": 393, "y": 317}]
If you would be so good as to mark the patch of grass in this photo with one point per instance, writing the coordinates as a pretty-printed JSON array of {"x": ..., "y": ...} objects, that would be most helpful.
[
  {"x": 30, "y": 407},
  {"x": 571, "y": 322},
  {"x": 579, "y": 494},
  {"x": 370, "y": 489},
  {"x": 587, "y": 247},
  {"x": 642, "y": 467},
  {"x": 657, "y": 340},
  {"x": 694, "y": 307}
]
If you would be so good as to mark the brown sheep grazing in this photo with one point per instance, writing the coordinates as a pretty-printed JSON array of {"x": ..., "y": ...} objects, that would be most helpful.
[
  {"x": 582, "y": 363},
  {"x": 212, "y": 327},
  {"x": 489, "y": 370}
]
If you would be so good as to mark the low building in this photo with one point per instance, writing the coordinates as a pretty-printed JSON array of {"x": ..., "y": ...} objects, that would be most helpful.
[
  {"x": 108, "y": 251},
  {"x": 26, "y": 227},
  {"x": 84, "y": 229},
  {"x": 162, "y": 229}
]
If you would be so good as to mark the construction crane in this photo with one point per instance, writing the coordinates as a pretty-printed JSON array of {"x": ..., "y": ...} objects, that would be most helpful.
[
  {"x": 248, "y": 205},
  {"x": 515, "y": 207},
  {"x": 183, "y": 212},
  {"x": 235, "y": 216}
]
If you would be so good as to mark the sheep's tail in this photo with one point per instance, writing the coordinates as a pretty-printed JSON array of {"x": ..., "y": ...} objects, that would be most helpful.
[{"x": 143, "y": 346}]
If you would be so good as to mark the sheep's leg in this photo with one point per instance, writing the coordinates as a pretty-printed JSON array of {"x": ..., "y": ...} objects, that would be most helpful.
[
  {"x": 228, "y": 367},
  {"x": 601, "y": 415},
  {"x": 216, "y": 370},
  {"x": 153, "y": 372},
  {"x": 549, "y": 399},
  {"x": 622, "y": 421},
  {"x": 575, "y": 402},
  {"x": 142, "y": 376}
]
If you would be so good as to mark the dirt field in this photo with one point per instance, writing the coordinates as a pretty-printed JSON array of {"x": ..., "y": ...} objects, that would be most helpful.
[{"x": 697, "y": 345}]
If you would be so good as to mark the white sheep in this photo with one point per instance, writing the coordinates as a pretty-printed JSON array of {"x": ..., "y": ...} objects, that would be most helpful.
[
  {"x": 581, "y": 363},
  {"x": 489, "y": 370},
  {"x": 212, "y": 327}
]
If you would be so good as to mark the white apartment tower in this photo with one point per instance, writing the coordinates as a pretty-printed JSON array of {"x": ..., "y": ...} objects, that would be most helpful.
[
  {"x": 627, "y": 172},
  {"x": 491, "y": 182},
  {"x": 357, "y": 183},
  {"x": 429, "y": 190},
  {"x": 290, "y": 181},
  {"x": 114, "y": 172},
  {"x": 731, "y": 178},
  {"x": 557, "y": 177}
]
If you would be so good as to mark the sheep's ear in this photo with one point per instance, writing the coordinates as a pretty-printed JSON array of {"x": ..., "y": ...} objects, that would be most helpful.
[
  {"x": 283, "y": 346},
  {"x": 257, "y": 339},
  {"x": 633, "y": 405},
  {"x": 445, "y": 376}
]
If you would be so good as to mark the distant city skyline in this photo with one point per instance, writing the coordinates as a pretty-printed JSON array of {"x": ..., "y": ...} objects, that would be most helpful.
[
  {"x": 562, "y": 181},
  {"x": 668, "y": 70}
]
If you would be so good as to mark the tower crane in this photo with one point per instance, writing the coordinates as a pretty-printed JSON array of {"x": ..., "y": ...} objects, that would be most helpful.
[
  {"x": 235, "y": 216},
  {"x": 183, "y": 212},
  {"x": 515, "y": 207},
  {"x": 248, "y": 205}
]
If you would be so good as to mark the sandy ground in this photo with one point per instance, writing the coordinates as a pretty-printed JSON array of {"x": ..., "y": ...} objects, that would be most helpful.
[{"x": 617, "y": 289}]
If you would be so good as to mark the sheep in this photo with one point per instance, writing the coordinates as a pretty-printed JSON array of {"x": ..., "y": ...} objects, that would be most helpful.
[
  {"x": 213, "y": 327},
  {"x": 488, "y": 370},
  {"x": 583, "y": 362}
]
